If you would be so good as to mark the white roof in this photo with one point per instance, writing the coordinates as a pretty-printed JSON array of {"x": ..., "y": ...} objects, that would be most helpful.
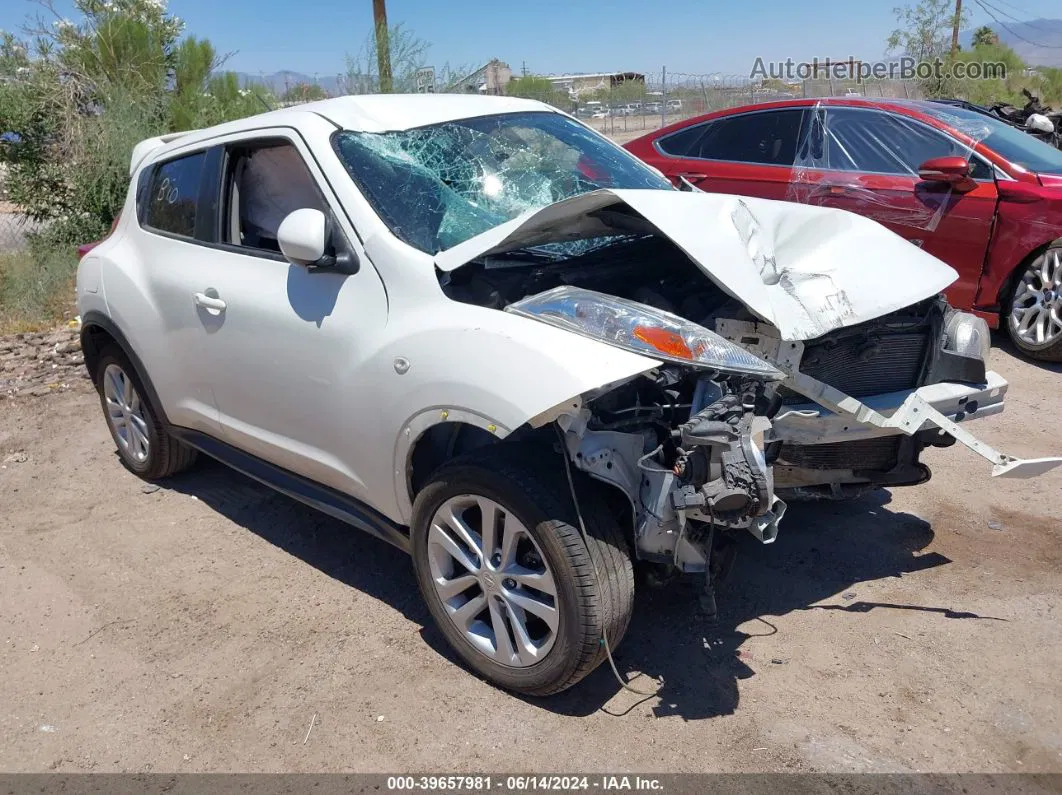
[
  {"x": 362, "y": 112},
  {"x": 384, "y": 112}
]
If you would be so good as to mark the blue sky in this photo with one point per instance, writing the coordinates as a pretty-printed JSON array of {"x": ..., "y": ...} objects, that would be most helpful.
[{"x": 550, "y": 36}]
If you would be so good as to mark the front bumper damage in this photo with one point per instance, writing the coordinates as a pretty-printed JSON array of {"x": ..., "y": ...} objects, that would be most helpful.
[
  {"x": 832, "y": 416},
  {"x": 810, "y": 423},
  {"x": 913, "y": 415}
]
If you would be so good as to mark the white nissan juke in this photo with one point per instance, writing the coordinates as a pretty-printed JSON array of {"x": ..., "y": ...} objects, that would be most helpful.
[{"x": 482, "y": 332}]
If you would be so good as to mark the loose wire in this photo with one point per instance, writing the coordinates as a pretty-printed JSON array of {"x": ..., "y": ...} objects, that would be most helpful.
[{"x": 597, "y": 575}]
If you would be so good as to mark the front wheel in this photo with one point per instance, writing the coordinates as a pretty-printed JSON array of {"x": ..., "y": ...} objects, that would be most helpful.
[
  {"x": 507, "y": 575},
  {"x": 1035, "y": 314}
]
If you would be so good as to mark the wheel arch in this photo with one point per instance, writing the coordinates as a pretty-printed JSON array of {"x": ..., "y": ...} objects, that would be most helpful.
[
  {"x": 1006, "y": 286},
  {"x": 97, "y": 332},
  {"x": 460, "y": 432}
]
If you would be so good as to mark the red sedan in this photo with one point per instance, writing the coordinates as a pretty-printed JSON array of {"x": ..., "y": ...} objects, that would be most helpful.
[{"x": 983, "y": 196}]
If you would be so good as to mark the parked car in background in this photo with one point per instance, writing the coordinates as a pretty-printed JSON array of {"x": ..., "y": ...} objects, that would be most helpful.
[
  {"x": 972, "y": 190},
  {"x": 478, "y": 330}
]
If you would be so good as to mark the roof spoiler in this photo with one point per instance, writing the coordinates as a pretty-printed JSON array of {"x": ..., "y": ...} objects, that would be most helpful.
[{"x": 149, "y": 145}]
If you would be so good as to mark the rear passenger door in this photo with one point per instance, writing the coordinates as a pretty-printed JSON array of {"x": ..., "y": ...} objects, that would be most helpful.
[
  {"x": 174, "y": 207},
  {"x": 750, "y": 154},
  {"x": 282, "y": 342}
]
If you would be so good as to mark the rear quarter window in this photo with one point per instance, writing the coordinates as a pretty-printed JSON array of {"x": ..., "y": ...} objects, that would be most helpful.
[{"x": 173, "y": 195}]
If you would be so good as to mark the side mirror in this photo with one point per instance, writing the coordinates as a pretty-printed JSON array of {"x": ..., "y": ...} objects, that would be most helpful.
[
  {"x": 303, "y": 236},
  {"x": 305, "y": 239},
  {"x": 952, "y": 170}
]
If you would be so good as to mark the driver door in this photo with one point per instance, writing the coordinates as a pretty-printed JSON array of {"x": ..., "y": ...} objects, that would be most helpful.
[{"x": 283, "y": 343}]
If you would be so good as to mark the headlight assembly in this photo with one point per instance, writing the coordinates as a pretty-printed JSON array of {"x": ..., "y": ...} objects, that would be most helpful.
[{"x": 641, "y": 329}]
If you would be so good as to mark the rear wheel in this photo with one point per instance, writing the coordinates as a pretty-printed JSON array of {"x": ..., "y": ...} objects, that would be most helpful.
[
  {"x": 1035, "y": 313},
  {"x": 507, "y": 575},
  {"x": 143, "y": 443}
]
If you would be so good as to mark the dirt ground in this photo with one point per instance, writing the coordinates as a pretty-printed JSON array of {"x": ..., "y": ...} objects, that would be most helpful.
[{"x": 201, "y": 627}]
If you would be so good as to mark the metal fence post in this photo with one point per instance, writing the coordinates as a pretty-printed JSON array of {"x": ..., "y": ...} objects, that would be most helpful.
[{"x": 663, "y": 98}]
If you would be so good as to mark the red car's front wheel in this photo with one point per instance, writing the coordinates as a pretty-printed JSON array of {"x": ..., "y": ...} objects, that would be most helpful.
[{"x": 1034, "y": 319}]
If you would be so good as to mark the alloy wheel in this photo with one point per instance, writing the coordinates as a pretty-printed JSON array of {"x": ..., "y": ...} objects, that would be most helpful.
[
  {"x": 125, "y": 413},
  {"x": 493, "y": 580},
  {"x": 1036, "y": 308}
]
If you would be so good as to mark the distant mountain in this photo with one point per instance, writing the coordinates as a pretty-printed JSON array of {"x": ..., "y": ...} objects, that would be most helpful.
[
  {"x": 279, "y": 82},
  {"x": 1024, "y": 38}
]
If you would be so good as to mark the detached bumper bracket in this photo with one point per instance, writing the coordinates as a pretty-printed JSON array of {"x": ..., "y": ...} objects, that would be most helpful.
[{"x": 914, "y": 414}]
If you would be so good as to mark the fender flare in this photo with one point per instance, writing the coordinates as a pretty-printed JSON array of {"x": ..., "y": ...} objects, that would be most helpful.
[
  {"x": 96, "y": 319},
  {"x": 415, "y": 428}
]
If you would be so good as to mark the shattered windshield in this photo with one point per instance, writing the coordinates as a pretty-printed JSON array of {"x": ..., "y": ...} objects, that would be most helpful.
[
  {"x": 440, "y": 185},
  {"x": 1015, "y": 145}
]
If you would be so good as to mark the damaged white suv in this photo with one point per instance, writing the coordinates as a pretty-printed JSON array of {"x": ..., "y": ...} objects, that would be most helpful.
[{"x": 477, "y": 329}]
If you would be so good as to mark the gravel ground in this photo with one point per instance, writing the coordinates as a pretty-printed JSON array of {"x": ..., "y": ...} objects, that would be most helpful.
[{"x": 201, "y": 626}]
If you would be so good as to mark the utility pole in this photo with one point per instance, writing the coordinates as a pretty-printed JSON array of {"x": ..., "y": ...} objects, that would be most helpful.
[
  {"x": 955, "y": 29},
  {"x": 383, "y": 45}
]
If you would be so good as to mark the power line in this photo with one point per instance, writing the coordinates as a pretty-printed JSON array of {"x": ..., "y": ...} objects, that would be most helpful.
[
  {"x": 1007, "y": 28},
  {"x": 1011, "y": 5},
  {"x": 1008, "y": 16},
  {"x": 1019, "y": 21}
]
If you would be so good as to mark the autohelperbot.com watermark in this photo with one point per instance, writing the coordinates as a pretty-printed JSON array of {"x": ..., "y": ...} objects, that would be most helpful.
[{"x": 902, "y": 68}]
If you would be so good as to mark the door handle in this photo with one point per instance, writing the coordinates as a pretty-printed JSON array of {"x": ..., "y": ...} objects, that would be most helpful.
[
  {"x": 691, "y": 175},
  {"x": 209, "y": 302}
]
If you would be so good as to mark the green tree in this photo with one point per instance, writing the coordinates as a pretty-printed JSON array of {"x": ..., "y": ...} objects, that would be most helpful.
[
  {"x": 985, "y": 91},
  {"x": 540, "y": 88},
  {"x": 924, "y": 30},
  {"x": 408, "y": 54},
  {"x": 80, "y": 94},
  {"x": 303, "y": 92},
  {"x": 1049, "y": 88},
  {"x": 985, "y": 36}
]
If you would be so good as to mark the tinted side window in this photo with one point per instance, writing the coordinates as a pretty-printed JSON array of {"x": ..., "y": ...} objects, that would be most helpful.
[
  {"x": 173, "y": 195},
  {"x": 859, "y": 140},
  {"x": 684, "y": 143},
  {"x": 769, "y": 138}
]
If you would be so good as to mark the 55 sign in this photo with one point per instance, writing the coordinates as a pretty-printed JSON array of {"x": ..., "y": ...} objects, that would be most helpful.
[{"x": 425, "y": 80}]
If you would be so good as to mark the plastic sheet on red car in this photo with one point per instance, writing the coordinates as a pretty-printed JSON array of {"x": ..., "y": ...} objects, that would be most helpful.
[{"x": 867, "y": 161}]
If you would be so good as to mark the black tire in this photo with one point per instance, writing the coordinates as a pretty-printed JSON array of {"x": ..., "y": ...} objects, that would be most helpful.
[
  {"x": 1048, "y": 352},
  {"x": 529, "y": 481},
  {"x": 166, "y": 455}
]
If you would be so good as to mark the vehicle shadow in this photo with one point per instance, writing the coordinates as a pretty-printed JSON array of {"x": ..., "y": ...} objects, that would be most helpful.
[
  {"x": 824, "y": 549},
  {"x": 1002, "y": 341}
]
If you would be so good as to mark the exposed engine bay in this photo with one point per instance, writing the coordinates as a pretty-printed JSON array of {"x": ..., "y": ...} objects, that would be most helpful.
[
  {"x": 650, "y": 270},
  {"x": 699, "y": 449},
  {"x": 688, "y": 450},
  {"x": 685, "y": 444}
]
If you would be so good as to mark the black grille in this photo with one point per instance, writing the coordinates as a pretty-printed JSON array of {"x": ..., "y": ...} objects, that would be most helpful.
[
  {"x": 876, "y": 455},
  {"x": 868, "y": 364}
]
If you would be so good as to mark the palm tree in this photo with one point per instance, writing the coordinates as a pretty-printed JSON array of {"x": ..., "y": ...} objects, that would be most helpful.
[{"x": 984, "y": 35}]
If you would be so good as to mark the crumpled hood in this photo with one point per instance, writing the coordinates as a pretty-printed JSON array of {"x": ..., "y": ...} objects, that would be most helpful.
[{"x": 806, "y": 270}]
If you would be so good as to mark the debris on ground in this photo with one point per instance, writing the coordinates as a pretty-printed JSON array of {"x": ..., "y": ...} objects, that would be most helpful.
[{"x": 37, "y": 364}]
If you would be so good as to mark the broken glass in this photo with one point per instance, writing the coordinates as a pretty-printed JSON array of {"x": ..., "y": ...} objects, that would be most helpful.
[{"x": 440, "y": 185}]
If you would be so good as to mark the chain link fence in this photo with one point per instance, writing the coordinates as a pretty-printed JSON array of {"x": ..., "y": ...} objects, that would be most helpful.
[
  {"x": 14, "y": 226},
  {"x": 625, "y": 105},
  {"x": 14, "y": 229}
]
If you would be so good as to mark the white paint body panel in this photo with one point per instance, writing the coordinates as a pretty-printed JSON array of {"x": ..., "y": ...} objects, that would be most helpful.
[{"x": 831, "y": 268}]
